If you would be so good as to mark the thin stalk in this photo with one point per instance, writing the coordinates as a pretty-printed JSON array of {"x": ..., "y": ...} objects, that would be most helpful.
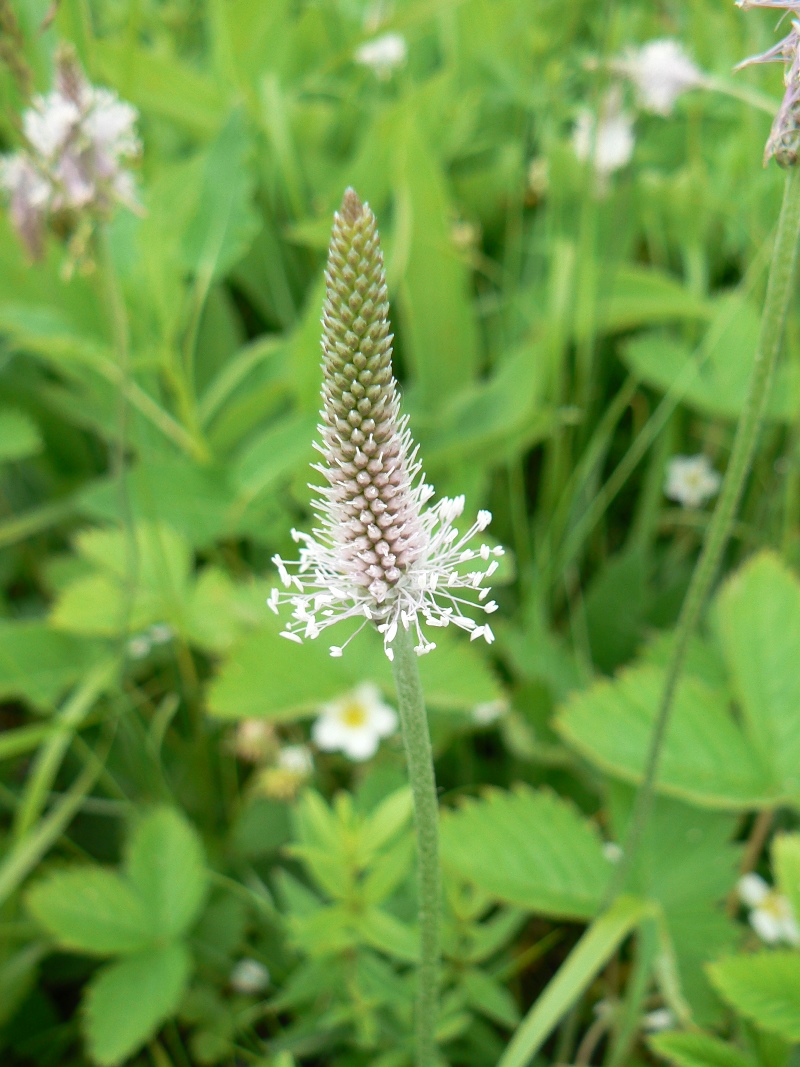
[
  {"x": 719, "y": 528},
  {"x": 419, "y": 756}
]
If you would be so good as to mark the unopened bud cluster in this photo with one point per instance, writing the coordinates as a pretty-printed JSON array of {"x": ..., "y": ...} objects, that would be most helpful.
[
  {"x": 379, "y": 555},
  {"x": 72, "y": 168},
  {"x": 784, "y": 139}
]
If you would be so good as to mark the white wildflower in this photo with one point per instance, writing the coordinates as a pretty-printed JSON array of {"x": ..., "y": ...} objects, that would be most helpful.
[
  {"x": 608, "y": 143},
  {"x": 139, "y": 646},
  {"x": 654, "y": 1022},
  {"x": 296, "y": 758},
  {"x": 160, "y": 633},
  {"x": 691, "y": 480},
  {"x": 771, "y": 914},
  {"x": 612, "y": 851},
  {"x": 383, "y": 55},
  {"x": 248, "y": 977},
  {"x": 660, "y": 71},
  {"x": 488, "y": 713},
  {"x": 254, "y": 740},
  {"x": 379, "y": 555},
  {"x": 355, "y": 724}
]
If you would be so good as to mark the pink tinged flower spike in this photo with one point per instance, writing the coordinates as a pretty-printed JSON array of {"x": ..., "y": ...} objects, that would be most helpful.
[
  {"x": 378, "y": 555},
  {"x": 784, "y": 138}
]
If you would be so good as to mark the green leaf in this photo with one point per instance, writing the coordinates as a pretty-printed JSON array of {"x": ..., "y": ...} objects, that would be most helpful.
[
  {"x": 225, "y": 222},
  {"x": 38, "y": 663},
  {"x": 589, "y": 956},
  {"x": 706, "y": 757},
  {"x": 786, "y": 864},
  {"x": 19, "y": 435},
  {"x": 764, "y": 987},
  {"x": 166, "y": 866},
  {"x": 758, "y": 618},
  {"x": 91, "y": 910},
  {"x": 527, "y": 848},
  {"x": 487, "y": 996},
  {"x": 643, "y": 296},
  {"x": 699, "y": 1050},
  {"x": 714, "y": 380},
  {"x": 126, "y": 1002}
]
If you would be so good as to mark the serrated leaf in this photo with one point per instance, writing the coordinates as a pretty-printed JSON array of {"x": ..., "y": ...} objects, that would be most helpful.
[
  {"x": 528, "y": 848},
  {"x": 764, "y": 987},
  {"x": 91, "y": 910},
  {"x": 37, "y": 663},
  {"x": 166, "y": 867},
  {"x": 128, "y": 1001},
  {"x": 758, "y": 618},
  {"x": 19, "y": 435},
  {"x": 706, "y": 757},
  {"x": 699, "y": 1050}
]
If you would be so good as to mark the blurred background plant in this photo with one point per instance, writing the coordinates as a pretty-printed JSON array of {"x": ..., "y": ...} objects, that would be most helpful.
[{"x": 200, "y": 861}]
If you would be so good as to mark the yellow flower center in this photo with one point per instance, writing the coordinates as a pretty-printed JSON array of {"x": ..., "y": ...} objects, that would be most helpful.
[{"x": 353, "y": 715}]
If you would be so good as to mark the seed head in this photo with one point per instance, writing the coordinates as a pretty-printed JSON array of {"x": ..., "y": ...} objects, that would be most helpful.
[{"x": 378, "y": 554}]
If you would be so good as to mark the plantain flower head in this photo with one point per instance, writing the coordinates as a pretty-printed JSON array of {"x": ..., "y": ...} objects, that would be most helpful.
[
  {"x": 380, "y": 554},
  {"x": 784, "y": 138},
  {"x": 73, "y": 166}
]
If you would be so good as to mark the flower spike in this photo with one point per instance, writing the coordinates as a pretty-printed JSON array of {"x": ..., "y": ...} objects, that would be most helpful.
[
  {"x": 379, "y": 555},
  {"x": 784, "y": 138}
]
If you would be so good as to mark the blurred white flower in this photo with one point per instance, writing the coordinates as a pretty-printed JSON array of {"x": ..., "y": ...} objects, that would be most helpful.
[
  {"x": 660, "y": 1019},
  {"x": 355, "y": 723},
  {"x": 488, "y": 713},
  {"x": 608, "y": 143},
  {"x": 248, "y": 976},
  {"x": 78, "y": 141},
  {"x": 771, "y": 913},
  {"x": 296, "y": 758},
  {"x": 139, "y": 646},
  {"x": 254, "y": 740},
  {"x": 612, "y": 851},
  {"x": 660, "y": 71},
  {"x": 160, "y": 633},
  {"x": 383, "y": 55},
  {"x": 691, "y": 480}
]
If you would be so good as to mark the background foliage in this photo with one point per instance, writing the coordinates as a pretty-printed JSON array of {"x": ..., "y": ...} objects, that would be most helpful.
[{"x": 557, "y": 344}]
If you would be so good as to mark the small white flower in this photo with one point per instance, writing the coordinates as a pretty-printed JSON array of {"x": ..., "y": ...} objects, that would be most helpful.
[
  {"x": 612, "y": 851},
  {"x": 160, "y": 633},
  {"x": 254, "y": 740},
  {"x": 296, "y": 758},
  {"x": 383, "y": 55},
  {"x": 248, "y": 976},
  {"x": 488, "y": 713},
  {"x": 139, "y": 646},
  {"x": 660, "y": 71},
  {"x": 691, "y": 480},
  {"x": 771, "y": 913},
  {"x": 355, "y": 723},
  {"x": 607, "y": 143},
  {"x": 50, "y": 122},
  {"x": 660, "y": 1019}
]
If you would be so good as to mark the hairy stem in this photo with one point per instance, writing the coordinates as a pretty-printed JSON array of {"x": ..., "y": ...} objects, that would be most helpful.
[
  {"x": 419, "y": 756},
  {"x": 719, "y": 528}
]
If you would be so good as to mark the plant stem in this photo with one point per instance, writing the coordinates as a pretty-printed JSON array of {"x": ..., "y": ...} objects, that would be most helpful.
[
  {"x": 421, "y": 775},
  {"x": 719, "y": 528}
]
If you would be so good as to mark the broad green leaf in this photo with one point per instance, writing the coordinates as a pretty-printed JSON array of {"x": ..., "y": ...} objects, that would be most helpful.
[
  {"x": 19, "y": 435},
  {"x": 642, "y": 296},
  {"x": 166, "y": 867},
  {"x": 706, "y": 757},
  {"x": 38, "y": 663},
  {"x": 274, "y": 455},
  {"x": 220, "y": 611},
  {"x": 695, "y": 1049},
  {"x": 758, "y": 618},
  {"x": 126, "y": 1002},
  {"x": 160, "y": 84},
  {"x": 589, "y": 956},
  {"x": 382, "y": 931},
  {"x": 714, "y": 379},
  {"x": 764, "y": 987},
  {"x": 528, "y": 848},
  {"x": 196, "y": 501},
  {"x": 225, "y": 221},
  {"x": 786, "y": 864},
  {"x": 686, "y": 862},
  {"x": 91, "y": 910},
  {"x": 266, "y": 675}
]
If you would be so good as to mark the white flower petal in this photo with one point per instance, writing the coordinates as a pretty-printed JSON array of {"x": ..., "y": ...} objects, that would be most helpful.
[{"x": 752, "y": 889}]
